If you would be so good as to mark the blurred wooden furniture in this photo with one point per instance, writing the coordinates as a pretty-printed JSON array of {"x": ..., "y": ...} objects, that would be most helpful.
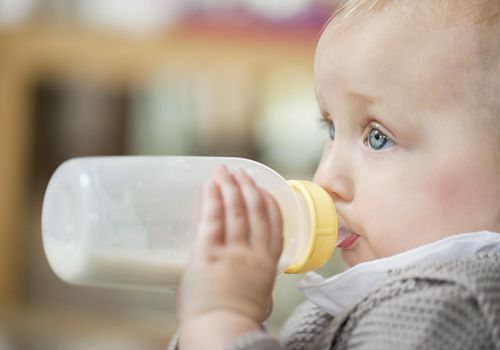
[{"x": 29, "y": 53}]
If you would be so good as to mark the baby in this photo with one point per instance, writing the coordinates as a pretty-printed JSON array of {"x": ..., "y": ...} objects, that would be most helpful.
[{"x": 409, "y": 91}]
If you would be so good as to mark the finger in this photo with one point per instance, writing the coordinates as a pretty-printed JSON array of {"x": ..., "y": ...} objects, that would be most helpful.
[
  {"x": 210, "y": 230},
  {"x": 269, "y": 307},
  {"x": 276, "y": 220},
  {"x": 258, "y": 218},
  {"x": 243, "y": 178},
  {"x": 236, "y": 221}
]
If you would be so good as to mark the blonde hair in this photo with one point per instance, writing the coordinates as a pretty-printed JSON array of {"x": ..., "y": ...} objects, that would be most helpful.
[{"x": 481, "y": 10}]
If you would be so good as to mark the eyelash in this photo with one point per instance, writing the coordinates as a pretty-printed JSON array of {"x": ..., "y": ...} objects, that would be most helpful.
[
  {"x": 324, "y": 122},
  {"x": 363, "y": 126}
]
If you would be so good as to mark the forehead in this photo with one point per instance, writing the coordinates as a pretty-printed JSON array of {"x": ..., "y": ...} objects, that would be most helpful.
[{"x": 388, "y": 52}]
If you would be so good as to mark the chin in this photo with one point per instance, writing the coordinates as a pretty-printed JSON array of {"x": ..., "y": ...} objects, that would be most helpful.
[{"x": 353, "y": 257}]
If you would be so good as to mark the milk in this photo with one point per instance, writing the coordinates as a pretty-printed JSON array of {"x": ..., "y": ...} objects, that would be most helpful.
[{"x": 152, "y": 269}]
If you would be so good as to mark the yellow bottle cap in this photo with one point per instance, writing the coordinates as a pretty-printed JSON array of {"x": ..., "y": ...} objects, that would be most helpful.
[{"x": 323, "y": 227}]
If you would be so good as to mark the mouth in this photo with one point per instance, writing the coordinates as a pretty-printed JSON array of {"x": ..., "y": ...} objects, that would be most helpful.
[{"x": 346, "y": 238}]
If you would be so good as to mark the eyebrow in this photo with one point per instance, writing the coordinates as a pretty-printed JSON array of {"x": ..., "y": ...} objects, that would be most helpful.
[{"x": 371, "y": 100}]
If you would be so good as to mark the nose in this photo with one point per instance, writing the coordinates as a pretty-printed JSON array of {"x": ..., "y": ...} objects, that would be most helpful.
[{"x": 334, "y": 175}]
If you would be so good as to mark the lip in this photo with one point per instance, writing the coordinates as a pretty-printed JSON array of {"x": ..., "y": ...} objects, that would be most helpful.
[{"x": 347, "y": 238}]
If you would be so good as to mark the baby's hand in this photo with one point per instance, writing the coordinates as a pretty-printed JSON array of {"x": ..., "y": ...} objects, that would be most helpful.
[{"x": 234, "y": 258}]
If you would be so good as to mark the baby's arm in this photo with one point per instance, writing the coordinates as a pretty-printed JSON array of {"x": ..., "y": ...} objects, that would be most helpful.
[{"x": 226, "y": 288}]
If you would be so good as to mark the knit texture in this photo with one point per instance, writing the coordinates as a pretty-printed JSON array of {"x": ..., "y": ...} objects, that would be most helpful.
[
  {"x": 305, "y": 327},
  {"x": 446, "y": 305}
]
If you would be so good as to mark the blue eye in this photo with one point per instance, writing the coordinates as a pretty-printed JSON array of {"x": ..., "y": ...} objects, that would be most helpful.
[
  {"x": 377, "y": 140},
  {"x": 331, "y": 130}
]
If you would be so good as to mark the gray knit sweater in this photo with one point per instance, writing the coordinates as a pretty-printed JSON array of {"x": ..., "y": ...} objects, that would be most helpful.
[{"x": 446, "y": 305}]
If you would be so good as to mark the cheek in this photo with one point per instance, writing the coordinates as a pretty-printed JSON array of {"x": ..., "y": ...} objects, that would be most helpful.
[
  {"x": 409, "y": 209},
  {"x": 458, "y": 196},
  {"x": 445, "y": 189},
  {"x": 386, "y": 210}
]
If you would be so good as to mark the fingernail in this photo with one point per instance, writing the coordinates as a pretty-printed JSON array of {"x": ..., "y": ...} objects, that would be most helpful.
[
  {"x": 238, "y": 173},
  {"x": 219, "y": 170},
  {"x": 245, "y": 177}
]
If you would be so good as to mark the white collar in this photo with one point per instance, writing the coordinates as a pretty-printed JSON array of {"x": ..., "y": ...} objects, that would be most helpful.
[{"x": 337, "y": 293}]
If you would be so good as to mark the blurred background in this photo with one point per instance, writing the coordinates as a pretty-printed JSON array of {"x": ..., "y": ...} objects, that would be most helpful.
[{"x": 140, "y": 77}]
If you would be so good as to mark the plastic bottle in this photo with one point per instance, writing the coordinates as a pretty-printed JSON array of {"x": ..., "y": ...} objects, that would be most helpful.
[{"x": 128, "y": 221}]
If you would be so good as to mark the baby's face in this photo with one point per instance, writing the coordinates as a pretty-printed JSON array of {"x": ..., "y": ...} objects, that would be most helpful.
[{"x": 409, "y": 162}]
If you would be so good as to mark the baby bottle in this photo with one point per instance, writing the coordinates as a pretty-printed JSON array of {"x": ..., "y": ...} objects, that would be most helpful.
[{"x": 128, "y": 221}]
